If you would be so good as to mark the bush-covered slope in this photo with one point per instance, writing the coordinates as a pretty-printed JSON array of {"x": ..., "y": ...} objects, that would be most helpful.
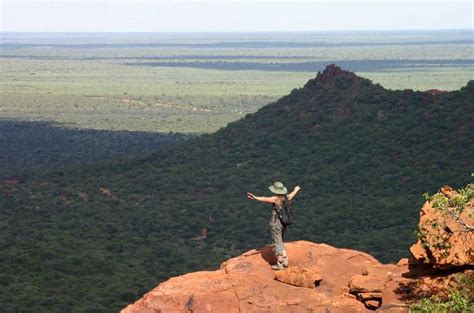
[{"x": 95, "y": 238}]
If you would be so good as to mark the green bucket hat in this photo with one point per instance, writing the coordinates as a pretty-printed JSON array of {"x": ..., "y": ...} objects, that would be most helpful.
[{"x": 278, "y": 188}]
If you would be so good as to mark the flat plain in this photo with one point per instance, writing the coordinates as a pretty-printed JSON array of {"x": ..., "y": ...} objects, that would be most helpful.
[{"x": 197, "y": 83}]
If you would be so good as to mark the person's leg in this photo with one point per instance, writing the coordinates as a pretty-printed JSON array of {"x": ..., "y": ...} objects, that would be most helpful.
[
  {"x": 277, "y": 245},
  {"x": 285, "y": 256}
]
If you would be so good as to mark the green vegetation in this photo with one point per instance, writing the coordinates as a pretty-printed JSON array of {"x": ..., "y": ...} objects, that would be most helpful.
[
  {"x": 455, "y": 205},
  {"x": 460, "y": 300},
  {"x": 96, "y": 237},
  {"x": 456, "y": 303},
  {"x": 451, "y": 208}
]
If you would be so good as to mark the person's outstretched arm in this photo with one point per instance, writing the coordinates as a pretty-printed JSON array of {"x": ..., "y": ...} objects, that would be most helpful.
[
  {"x": 292, "y": 194},
  {"x": 251, "y": 196}
]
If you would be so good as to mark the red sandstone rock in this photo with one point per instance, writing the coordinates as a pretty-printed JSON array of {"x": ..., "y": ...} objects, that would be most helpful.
[
  {"x": 373, "y": 304},
  {"x": 418, "y": 253},
  {"x": 366, "y": 283},
  {"x": 459, "y": 243},
  {"x": 435, "y": 92},
  {"x": 369, "y": 296},
  {"x": 300, "y": 277},
  {"x": 247, "y": 284},
  {"x": 331, "y": 71}
]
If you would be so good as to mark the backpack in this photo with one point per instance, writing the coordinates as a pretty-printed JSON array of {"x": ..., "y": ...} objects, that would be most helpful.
[{"x": 285, "y": 214}]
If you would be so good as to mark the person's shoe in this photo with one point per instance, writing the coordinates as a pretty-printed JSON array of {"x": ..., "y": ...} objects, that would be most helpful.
[
  {"x": 285, "y": 261},
  {"x": 278, "y": 266}
]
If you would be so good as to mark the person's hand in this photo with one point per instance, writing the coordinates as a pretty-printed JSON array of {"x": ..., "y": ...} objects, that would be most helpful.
[
  {"x": 251, "y": 196},
  {"x": 297, "y": 188}
]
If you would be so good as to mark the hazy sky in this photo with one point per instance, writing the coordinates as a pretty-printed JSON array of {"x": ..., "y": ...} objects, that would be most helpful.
[{"x": 169, "y": 16}]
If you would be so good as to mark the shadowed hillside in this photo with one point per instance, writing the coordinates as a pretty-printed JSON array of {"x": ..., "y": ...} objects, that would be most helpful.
[
  {"x": 362, "y": 154},
  {"x": 26, "y": 146}
]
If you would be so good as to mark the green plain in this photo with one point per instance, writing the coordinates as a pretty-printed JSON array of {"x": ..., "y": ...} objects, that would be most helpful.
[{"x": 95, "y": 87}]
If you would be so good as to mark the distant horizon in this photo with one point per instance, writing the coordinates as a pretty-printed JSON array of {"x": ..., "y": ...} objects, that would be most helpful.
[{"x": 235, "y": 31}]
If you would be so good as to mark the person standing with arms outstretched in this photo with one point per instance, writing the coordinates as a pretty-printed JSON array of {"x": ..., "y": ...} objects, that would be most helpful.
[{"x": 277, "y": 229}]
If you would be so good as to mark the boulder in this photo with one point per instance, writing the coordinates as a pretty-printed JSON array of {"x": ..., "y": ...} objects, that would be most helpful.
[{"x": 300, "y": 277}]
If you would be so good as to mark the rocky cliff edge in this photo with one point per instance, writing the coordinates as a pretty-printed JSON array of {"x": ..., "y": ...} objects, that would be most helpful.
[{"x": 320, "y": 278}]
